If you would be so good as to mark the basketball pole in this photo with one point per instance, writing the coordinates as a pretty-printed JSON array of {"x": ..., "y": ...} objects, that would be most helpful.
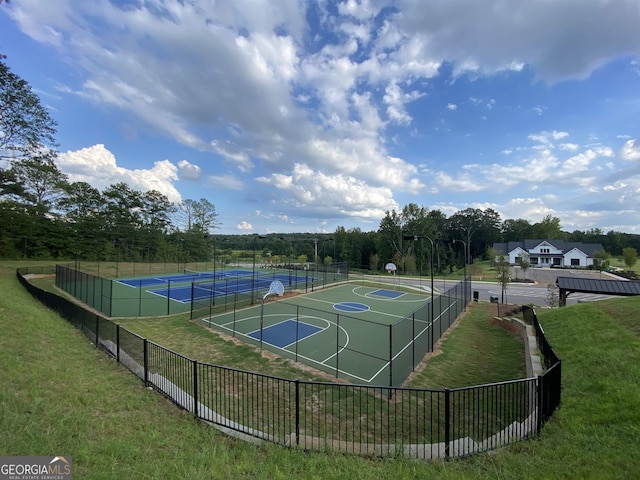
[{"x": 276, "y": 288}]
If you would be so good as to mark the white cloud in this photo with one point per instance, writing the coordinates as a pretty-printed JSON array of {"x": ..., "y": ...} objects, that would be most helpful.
[
  {"x": 630, "y": 151},
  {"x": 330, "y": 195},
  {"x": 189, "y": 171},
  {"x": 569, "y": 146},
  {"x": 545, "y": 138},
  {"x": 244, "y": 226},
  {"x": 559, "y": 39},
  {"x": 97, "y": 166},
  {"x": 225, "y": 182}
]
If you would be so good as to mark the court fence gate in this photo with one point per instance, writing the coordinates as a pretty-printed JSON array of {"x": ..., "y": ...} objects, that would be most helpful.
[{"x": 355, "y": 419}]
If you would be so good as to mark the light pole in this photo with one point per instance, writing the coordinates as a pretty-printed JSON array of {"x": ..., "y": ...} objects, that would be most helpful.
[
  {"x": 288, "y": 256},
  {"x": 223, "y": 259},
  {"x": 253, "y": 275},
  {"x": 421, "y": 237},
  {"x": 213, "y": 293},
  {"x": 324, "y": 278},
  {"x": 464, "y": 283}
]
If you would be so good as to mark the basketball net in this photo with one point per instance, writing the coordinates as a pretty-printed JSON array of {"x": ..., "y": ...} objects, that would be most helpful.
[{"x": 276, "y": 288}]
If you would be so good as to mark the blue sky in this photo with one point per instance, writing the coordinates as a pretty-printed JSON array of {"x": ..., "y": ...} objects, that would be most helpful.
[{"x": 293, "y": 116}]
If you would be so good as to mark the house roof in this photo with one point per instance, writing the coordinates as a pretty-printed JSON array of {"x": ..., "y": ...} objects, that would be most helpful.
[{"x": 564, "y": 247}]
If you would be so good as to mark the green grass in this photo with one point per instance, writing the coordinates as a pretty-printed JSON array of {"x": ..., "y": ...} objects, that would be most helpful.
[
  {"x": 60, "y": 396},
  {"x": 478, "y": 351}
]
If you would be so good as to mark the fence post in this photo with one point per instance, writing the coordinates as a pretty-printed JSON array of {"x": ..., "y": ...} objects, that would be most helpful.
[
  {"x": 297, "y": 412},
  {"x": 337, "y": 344},
  {"x": 169, "y": 297},
  {"x": 447, "y": 421},
  {"x": 118, "y": 342},
  {"x": 390, "y": 355},
  {"x": 195, "y": 388},
  {"x": 413, "y": 341},
  {"x": 145, "y": 354},
  {"x": 540, "y": 402},
  {"x": 97, "y": 327},
  {"x": 297, "y": 329}
]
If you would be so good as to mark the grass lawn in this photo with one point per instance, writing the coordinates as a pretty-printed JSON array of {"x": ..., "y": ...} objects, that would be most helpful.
[{"x": 61, "y": 396}]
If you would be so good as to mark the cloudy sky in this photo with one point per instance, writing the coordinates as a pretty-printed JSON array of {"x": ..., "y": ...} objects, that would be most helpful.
[{"x": 296, "y": 116}]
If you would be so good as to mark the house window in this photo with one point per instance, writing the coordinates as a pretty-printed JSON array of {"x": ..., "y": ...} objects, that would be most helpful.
[{"x": 575, "y": 262}]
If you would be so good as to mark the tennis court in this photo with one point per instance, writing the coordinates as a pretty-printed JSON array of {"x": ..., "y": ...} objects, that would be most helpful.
[
  {"x": 364, "y": 334},
  {"x": 185, "y": 288}
]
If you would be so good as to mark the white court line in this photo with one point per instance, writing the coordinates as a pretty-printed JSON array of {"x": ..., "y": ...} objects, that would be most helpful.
[{"x": 323, "y": 363}]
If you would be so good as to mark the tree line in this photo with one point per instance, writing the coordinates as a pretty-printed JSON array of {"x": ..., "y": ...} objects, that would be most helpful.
[{"x": 45, "y": 216}]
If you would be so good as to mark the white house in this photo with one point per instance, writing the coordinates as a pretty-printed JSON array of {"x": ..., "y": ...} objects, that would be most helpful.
[{"x": 550, "y": 253}]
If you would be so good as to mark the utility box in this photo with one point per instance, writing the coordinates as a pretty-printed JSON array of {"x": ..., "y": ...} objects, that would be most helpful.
[
  {"x": 475, "y": 295},
  {"x": 494, "y": 299}
]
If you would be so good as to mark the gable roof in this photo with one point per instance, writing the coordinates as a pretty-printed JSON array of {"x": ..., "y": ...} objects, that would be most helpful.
[{"x": 564, "y": 247}]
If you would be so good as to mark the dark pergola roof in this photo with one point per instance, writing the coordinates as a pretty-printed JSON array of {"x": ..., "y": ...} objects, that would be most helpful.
[{"x": 568, "y": 285}]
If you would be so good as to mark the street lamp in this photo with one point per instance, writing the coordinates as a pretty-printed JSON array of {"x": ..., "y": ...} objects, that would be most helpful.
[
  {"x": 465, "y": 272},
  {"x": 253, "y": 275},
  {"x": 421, "y": 237}
]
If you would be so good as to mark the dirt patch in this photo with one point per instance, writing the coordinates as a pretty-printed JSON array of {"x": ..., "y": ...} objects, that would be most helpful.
[
  {"x": 30, "y": 276},
  {"x": 498, "y": 322},
  {"x": 503, "y": 310}
]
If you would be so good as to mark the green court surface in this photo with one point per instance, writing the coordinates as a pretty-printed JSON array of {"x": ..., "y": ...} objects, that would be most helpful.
[{"x": 366, "y": 335}]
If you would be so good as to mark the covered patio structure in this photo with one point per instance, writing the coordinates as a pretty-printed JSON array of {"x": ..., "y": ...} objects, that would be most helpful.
[{"x": 569, "y": 285}]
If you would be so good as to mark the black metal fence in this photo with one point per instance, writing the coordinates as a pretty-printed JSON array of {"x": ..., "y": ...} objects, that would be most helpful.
[
  {"x": 551, "y": 379},
  {"x": 207, "y": 295},
  {"x": 382, "y": 421},
  {"x": 218, "y": 295}
]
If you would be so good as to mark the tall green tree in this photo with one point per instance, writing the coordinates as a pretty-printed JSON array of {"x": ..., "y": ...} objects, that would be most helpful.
[
  {"x": 600, "y": 260},
  {"x": 630, "y": 256},
  {"x": 43, "y": 185},
  {"x": 204, "y": 216},
  {"x": 516, "y": 230},
  {"x": 480, "y": 229},
  {"x": 389, "y": 240},
  {"x": 548, "y": 229},
  {"x": 27, "y": 129}
]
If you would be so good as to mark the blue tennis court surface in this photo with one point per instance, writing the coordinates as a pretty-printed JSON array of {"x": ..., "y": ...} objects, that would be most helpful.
[
  {"x": 196, "y": 286},
  {"x": 285, "y": 333},
  {"x": 182, "y": 278},
  {"x": 386, "y": 293}
]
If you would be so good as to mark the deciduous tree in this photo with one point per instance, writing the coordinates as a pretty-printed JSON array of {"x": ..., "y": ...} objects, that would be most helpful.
[
  {"x": 27, "y": 129},
  {"x": 630, "y": 256}
]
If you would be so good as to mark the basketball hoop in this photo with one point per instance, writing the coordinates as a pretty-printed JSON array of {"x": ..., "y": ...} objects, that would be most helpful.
[
  {"x": 276, "y": 288},
  {"x": 390, "y": 268}
]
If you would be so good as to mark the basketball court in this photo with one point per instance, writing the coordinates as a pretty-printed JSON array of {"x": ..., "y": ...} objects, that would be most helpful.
[{"x": 363, "y": 334}]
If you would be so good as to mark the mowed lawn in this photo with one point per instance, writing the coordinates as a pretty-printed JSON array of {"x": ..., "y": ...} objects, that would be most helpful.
[{"x": 61, "y": 396}]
